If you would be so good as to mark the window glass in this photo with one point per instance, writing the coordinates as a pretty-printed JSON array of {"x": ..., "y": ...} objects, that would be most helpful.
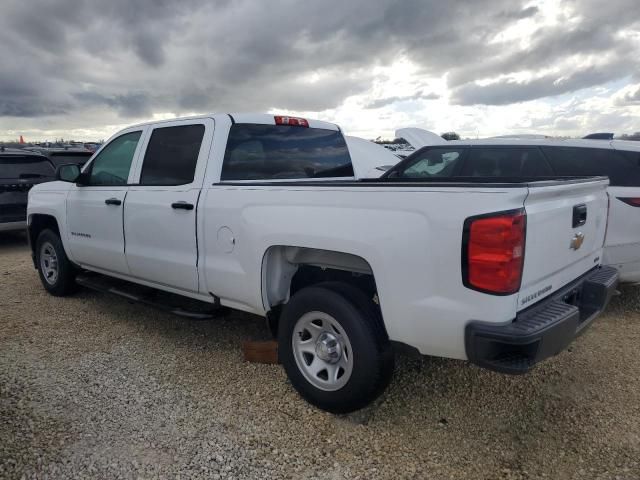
[
  {"x": 260, "y": 152},
  {"x": 18, "y": 166},
  {"x": 621, "y": 168},
  {"x": 434, "y": 162},
  {"x": 505, "y": 163},
  {"x": 172, "y": 155},
  {"x": 59, "y": 158},
  {"x": 112, "y": 165}
]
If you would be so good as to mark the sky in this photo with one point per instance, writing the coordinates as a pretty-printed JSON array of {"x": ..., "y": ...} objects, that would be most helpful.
[{"x": 84, "y": 69}]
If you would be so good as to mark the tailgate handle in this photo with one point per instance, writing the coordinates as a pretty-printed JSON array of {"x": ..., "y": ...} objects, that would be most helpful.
[{"x": 579, "y": 215}]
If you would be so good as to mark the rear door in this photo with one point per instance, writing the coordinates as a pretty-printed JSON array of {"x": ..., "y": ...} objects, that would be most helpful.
[
  {"x": 94, "y": 211},
  {"x": 160, "y": 213},
  {"x": 566, "y": 223}
]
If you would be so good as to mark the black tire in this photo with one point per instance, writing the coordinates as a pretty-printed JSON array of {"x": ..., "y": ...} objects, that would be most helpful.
[
  {"x": 64, "y": 282},
  {"x": 372, "y": 356}
]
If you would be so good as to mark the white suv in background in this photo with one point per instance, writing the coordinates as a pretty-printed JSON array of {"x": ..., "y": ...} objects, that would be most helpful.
[{"x": 513, "y": 158}]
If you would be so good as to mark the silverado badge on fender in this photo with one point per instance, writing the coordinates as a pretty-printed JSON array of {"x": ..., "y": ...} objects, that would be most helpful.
[{"x": 577, "y": 241}]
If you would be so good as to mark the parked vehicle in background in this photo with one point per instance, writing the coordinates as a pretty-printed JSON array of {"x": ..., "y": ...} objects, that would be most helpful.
[
  {"x": 19, "y": 171},
  {"x": 370, "y": 160},
  {"x": 599, "y": 136},
  {"x": 92, "y": 146},
  {"x": 64, "y": 155},
  {"x": 264, "y": 214},
  {"x": 516, "y": 158}
]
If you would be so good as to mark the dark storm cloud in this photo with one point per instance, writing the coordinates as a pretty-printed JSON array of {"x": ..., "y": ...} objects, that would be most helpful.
[
  {"x": 509, "y": 91},
  {"x": 596, "y": 34},
  {"x": 518, "y": 14},
  {"x": 136, "y": 58},
  {"x": 132, "y": 104},
  {"x": 383, "y": 102},
  {"x": 631, "y": 98}
]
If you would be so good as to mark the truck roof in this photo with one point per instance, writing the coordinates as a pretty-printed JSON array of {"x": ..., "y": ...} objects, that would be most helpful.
[{"x": 259, "y": 118}]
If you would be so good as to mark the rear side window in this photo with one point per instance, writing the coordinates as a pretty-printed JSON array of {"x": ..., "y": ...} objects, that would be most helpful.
[
  {"x": 172, "y": 155},
  {"x": 23, "y": 167},
  {"x": 434, "y": 162},
  {"x": 621, "y": 167},
  {"x": 505, "y": 163},
  {"x": 267, "y": 152}
]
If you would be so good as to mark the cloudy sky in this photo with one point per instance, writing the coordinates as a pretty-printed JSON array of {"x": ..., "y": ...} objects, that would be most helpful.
[{"x": 84, "y": 68}]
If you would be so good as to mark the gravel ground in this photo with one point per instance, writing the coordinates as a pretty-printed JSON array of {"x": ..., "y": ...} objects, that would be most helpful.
[{"x": 92, "y": 386}]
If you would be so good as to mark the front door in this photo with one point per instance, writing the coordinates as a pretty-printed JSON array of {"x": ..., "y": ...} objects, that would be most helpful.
[
  {"x": 160, "y": 211},
  {"x": 95, "y": 209}
]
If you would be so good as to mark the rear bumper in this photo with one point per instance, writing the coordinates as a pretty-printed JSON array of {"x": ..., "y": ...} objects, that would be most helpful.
[{"x": 544, "y": 329}]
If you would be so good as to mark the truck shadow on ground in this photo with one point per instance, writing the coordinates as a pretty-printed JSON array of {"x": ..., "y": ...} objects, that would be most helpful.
[
  {"x": 12, "y": 240},
  {"x": 444, "y": 388}
]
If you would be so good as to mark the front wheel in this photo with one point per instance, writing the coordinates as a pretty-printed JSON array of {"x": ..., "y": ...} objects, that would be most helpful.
[
  {"x": 333, "y": 347},
  {"x": 57, "y": 274}
]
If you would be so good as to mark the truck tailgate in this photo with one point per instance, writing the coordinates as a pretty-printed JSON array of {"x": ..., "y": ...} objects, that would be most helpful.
[{"x": 566, "y": 226}]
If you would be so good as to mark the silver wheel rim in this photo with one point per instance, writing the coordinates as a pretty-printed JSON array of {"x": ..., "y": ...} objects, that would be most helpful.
[
  {"x": 322, "y": 351},
  {"x": 49, "y": 263}
]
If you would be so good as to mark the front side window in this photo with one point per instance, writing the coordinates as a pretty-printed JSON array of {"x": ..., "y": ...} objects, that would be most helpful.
[
  {"x": 435, "y": 162},
  {"x": 267, "y": 152},
  {"x": 172, "y": 155},
  {"x": 505, "y": 163},
  {"x": 112, "y": 165}
]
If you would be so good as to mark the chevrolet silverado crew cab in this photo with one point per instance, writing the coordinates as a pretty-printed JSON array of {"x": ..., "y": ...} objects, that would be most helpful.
[{"x": 263, "y": 214}]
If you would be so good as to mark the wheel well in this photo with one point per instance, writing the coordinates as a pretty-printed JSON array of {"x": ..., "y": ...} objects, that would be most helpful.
[
  {"x": 38, "y": 223},
  {"x": 287, "y": 270}
]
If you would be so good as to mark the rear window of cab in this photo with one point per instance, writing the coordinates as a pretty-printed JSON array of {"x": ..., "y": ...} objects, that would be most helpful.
[{"x": 271, "y": 152}]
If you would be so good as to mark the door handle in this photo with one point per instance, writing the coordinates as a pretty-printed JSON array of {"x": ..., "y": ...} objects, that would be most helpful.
[
  {"x": 182, "y": 206},
  {"x": 113, "y": 201},
  {"x": 579, "y": 215}
]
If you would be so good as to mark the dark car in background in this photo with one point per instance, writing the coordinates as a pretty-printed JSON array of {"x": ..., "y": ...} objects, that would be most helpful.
[
  {"x": 64, "y": 155},
  {"x": 19, "y": 171},
  {"x": 502, "y": 159}
]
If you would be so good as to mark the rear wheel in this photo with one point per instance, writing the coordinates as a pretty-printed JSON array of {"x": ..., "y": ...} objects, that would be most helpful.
[
  {"x": 333, "y": 347},
  {"x": 57, "y": 274}
]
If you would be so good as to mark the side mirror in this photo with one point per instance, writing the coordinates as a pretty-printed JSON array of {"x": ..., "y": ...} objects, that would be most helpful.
[{"x": 68, "y": 173}]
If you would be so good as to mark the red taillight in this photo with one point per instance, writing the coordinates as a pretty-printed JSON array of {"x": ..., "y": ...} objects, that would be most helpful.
[
  {"x": 493, "y": 252},
  {"x": 634, "y": 202},
  {"x": 292, "y": 121}
]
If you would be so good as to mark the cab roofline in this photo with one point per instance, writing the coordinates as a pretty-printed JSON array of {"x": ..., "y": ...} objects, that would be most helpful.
[{"x": 259, "y": 118}]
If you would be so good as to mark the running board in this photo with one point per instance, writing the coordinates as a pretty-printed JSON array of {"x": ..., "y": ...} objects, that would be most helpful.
[{"x": 165, "y": 301}]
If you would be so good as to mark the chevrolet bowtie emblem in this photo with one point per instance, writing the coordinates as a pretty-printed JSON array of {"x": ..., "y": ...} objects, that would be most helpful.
[{"x": 577, "y": 241}]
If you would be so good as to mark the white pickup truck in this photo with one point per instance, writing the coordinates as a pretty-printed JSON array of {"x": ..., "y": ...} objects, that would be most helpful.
[{"x": 263, "y": 214}]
